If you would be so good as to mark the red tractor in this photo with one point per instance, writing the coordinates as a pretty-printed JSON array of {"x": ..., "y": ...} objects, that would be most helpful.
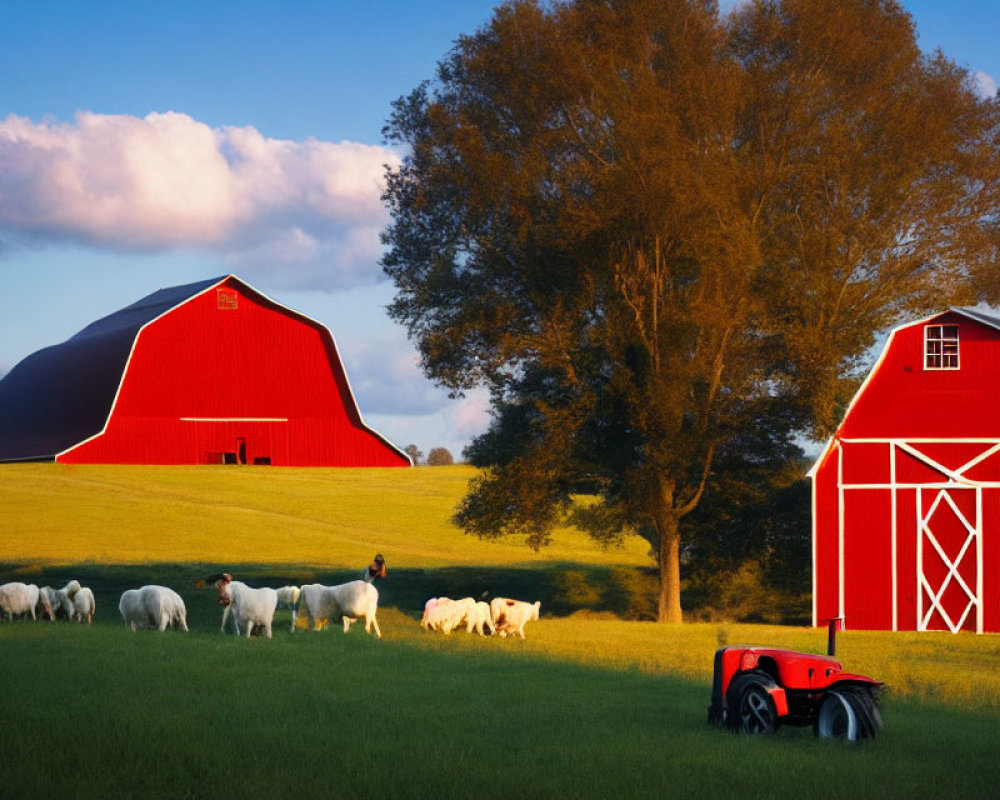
[{"x": 757, "y": 689}]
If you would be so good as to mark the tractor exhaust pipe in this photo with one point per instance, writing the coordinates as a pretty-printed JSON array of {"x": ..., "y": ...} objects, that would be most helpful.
[{"x": 831, "y": 636}]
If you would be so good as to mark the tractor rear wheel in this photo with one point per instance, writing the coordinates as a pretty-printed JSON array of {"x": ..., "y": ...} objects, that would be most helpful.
[
  {"x": 848, "y": 713},
  {"x": 751, "y": 709}
]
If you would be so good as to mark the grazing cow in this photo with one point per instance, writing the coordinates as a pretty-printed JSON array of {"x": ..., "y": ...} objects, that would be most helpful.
[
  {"x": 510, "y": 616},
  {"x": 84, "y": 605},
  {"x": 18, "y": 599},
  {"x": 344, "y": 602},
  {"x": 445, "y": 615},
  {"x": 429, "y": 606},
  {"x": 250, "y": 606},
  {"x": 288, "y": 597},
  {"x": 153, "y": 607},
  {"x": 482, "y": 620}
]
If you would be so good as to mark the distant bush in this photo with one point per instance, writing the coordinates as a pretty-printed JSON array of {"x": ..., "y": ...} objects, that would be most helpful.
[
  {"x": 743, "y": 595},
  {"x": 439, "y": 457}
]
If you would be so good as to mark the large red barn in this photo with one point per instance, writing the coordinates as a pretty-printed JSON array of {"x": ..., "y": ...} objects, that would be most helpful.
[
  {"x": 207, "y": 373},
  {"x": 906, "y": 495}
]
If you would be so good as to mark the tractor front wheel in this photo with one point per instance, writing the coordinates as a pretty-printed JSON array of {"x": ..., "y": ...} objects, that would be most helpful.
[
  {"x": 751, "y": 709},
  {"x": 848, "y": 713}
]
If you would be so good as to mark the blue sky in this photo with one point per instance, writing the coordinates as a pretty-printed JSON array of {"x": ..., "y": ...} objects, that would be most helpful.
[{"x": 273, "y": 112}]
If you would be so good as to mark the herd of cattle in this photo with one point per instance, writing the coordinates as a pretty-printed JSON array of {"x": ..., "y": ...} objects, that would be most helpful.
[{"x": 252, "y": 609}]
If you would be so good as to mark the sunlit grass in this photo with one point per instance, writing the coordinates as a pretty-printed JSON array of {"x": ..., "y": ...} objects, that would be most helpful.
[
  {"x": 939, "y": 668},
  {"x": 419, "y": 715},
  {"x": 331, "y": 517}
]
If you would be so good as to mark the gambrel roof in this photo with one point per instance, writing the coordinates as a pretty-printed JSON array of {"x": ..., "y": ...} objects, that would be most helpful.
[
  {"x": 61, "y": 395},
  {"x": 987, "y": 318}
]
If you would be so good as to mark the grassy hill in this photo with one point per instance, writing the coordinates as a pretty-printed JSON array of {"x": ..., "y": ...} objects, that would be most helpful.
[
  {"x": 335, "y": 518},
  {"x": 114, "y": 525}
]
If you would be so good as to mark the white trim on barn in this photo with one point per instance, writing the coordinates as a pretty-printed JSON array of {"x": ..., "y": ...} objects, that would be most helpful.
[{"x": 953, "y": 480}]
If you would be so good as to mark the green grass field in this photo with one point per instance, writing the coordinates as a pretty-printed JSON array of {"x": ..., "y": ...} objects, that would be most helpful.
[{"x": 587, "y": 706}]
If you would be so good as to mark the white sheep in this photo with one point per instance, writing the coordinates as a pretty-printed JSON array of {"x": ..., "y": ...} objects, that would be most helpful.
[
  {"x": 48, "y": 603},
  {"x": 446, "y": 615},
  {"x": 250, "y": 606},
  {"x": 483, "y": 619},
  {"x": 344, "y": 602},
  {"x": 55, "y": 602},
  {"x": 64, "y": 598},
  {"x": 153, "y": 607},
  {"x": 84, "y": 605},
  {"x": 510, "y": 616},
  {"x": 18, "y": 598},
  {"x": 288, "y": 597},
  {"x": 429, "y": 606}
]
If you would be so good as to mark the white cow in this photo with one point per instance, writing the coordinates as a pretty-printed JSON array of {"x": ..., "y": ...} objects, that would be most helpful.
[
  {"x": 345, "y": 602},
  {"x": 445, "y": 615},
  {"x": 288, "y": 597},
  {"x": 510, "y": 616},
  {"x": 250, "y": 606},
  {"x": 84, "y": 605},
  {"x": 429, "y": 606},
  {"x": 482, "y": 619},
  {"x": 153, "y": 607},
  {"x": 18, "y": 599}
]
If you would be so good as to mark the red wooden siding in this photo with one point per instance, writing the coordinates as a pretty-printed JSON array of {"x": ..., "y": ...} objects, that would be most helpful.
[
  {"x": 906, "y": 496},
  {"x": 903, "y": 400},
  {"x": 247, "y": 378}
]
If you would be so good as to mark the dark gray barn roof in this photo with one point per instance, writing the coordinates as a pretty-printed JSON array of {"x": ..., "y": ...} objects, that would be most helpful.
[{"x": 61, "y": 395}]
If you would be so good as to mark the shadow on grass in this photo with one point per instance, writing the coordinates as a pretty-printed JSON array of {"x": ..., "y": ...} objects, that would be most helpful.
[
  {"x": 622, "y": 592},
  {"x": 627, "y": 593}
]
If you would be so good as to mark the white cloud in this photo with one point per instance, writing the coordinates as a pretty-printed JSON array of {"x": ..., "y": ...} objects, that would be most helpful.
[
  {"x": 984, "y": 85},
  {"x": 306, "y": 212},
  {"x": 398, "y": 400},
  {"x": 385, "y": 374}
]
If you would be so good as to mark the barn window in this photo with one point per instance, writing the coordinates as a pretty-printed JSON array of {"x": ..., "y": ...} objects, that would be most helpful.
[
  {"x": 228, "y": 299},
  {"x": 941, "y": 347}
]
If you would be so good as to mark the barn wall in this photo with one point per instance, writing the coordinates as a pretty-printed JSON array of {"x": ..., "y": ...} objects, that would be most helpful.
[
  {"x": 206, "y": 377},
  {"x": 902, "y": 401},
  {"x": 991, "y": 561},
  {"x": 867, "y": 559},
  {"x": 906, "y": 559},
  {"x": 826, "y": 576}
]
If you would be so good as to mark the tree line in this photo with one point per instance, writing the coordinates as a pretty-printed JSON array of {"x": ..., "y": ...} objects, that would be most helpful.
[{"x": 436, "y": 457}]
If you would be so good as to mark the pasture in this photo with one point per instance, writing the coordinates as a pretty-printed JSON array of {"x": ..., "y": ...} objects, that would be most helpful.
[{"x": 587, "y": 706}]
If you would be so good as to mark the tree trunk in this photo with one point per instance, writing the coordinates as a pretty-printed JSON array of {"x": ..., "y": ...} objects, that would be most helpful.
[
  {"x": 669, "y": 559},
  {"x": 669, "y": 609}
]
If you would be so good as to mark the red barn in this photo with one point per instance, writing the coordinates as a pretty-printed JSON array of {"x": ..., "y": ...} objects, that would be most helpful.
[
  {"x": 208, "y": 373},
  {"x": 906, "y": 495}
]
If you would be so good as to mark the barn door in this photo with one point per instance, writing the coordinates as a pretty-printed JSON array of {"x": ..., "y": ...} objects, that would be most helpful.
[{"x": 949, "y": 559}]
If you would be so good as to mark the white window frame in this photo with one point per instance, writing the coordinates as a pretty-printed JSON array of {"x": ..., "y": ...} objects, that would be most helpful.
[{"x": 941, "y": 350}]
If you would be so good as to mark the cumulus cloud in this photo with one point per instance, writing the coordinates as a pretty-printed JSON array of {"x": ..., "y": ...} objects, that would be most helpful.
[
  {"x": 306, "y": 213},
  {"x": 400, "y": 402},
  {"x": 984, "y": 85},
  {"x": 384, "y": 370}
]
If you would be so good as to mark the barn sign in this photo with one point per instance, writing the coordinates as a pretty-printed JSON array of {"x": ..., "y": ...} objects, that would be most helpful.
[
  {"x": 212, "y": 372},
  {"x": 906, "y": 495}
]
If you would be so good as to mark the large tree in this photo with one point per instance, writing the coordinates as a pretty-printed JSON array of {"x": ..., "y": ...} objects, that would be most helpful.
[{"x": 647, "y": 230}]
